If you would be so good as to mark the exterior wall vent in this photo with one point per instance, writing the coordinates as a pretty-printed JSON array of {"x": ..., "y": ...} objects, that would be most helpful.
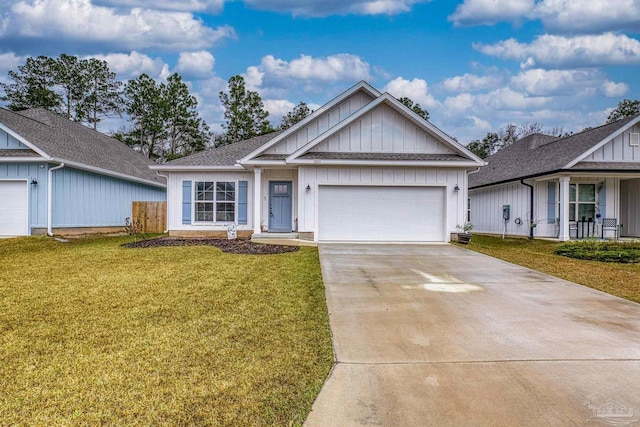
[{"x": 634, "y": 139}]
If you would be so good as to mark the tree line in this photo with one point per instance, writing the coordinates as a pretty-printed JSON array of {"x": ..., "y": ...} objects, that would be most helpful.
[{"x": 163, "y": 121}]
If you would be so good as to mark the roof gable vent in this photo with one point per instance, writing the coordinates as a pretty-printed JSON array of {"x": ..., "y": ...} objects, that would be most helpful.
[{"x": 634, "y": 139}]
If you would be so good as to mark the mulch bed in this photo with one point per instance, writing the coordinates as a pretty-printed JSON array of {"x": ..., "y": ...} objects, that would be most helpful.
[{"x": 238, "y": 246}]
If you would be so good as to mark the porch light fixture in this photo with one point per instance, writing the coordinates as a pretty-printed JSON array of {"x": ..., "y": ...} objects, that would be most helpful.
[
  {"x": 456, "y": 188},
  {"x": 308, "y": 188},
  {"x": 34, "y": 181}
]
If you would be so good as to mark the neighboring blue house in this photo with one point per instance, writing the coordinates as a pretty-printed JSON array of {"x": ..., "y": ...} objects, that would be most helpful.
[{"x": 57, "y": 175}]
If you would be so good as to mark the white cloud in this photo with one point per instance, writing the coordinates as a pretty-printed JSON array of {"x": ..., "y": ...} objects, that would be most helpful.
[
  {"x": 586, "y": 16},
  {"x": 614, "y": 90},
  {"x": 128, "y": 65},
  {"x": 9, "y": 61},
  {"x": 336, "y": 7},
  {"x": 561, "y": 51},
  {"x": 417, "y": 90},
  {"x": 330, "y": 69},
  {"x": 253, "y": 77},
  {"x": 212, "y": 6},
  {"x": 589, "y": 16},
  {"x": 278, "y": 108},
  {"x": 489, "y": 12},
  {"x": 539, "y": 82},
  {"x": 471, "y": 83},
  {"x": 195, "y": 65},
  {"x": 83, "y": 22}
]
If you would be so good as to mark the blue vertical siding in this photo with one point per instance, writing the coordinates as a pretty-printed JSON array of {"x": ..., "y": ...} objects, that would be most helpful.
[
  {"x": 85, "y": 199},
  {"x": 7, "y": 141},
  {"x": 37, "y": 193}
]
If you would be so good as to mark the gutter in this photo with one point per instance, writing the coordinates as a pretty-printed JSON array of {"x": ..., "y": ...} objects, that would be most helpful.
[
  {"x": 50, "y": 197},
  {"x": 167, "y": 225},
  {"x": 531, "y": 205}
]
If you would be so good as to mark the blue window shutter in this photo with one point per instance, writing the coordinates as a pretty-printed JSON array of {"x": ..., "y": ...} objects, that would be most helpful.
[
  {"x": 186, "y": 202},
  {"x": 242, "y": 201},
  {"x": 602, "y": 202},
  {"x": 551, "y": 202}
]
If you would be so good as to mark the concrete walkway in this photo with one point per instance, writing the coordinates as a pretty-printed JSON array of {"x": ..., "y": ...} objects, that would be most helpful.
[{"x": 439, "y": 335}]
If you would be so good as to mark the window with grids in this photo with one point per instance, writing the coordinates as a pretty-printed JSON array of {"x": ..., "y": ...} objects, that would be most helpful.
[
  {"x": 582, "y": 202},
  {"x": 215, "y": 201}
]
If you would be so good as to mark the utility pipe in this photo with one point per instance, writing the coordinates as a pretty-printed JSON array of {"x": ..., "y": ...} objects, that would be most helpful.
[
  {"x": 531, "y": 204},
  {"x": 50, "y": 197}
]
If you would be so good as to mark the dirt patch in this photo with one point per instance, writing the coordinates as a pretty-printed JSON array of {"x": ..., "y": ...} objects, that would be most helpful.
[{"x": 239, "y": 246}]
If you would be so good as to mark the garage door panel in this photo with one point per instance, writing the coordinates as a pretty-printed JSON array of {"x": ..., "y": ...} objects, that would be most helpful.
[
  {"x": 362, "y": 213},
  {"x": 14, "y": 208}
]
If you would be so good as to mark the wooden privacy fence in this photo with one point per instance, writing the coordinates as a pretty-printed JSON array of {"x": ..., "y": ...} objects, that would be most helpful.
[{"x": 152, "y": 215}]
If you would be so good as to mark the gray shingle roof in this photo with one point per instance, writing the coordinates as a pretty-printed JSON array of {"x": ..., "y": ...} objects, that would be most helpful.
[
  {"x": 63, "y": 139},
  {"x": 538, "y": 154},
  {"x": 18, "y": 152},
  {"x": 633, "y": 166},
  {"x": 382, "y": 156},
  {"x": 227, "y": 155}
]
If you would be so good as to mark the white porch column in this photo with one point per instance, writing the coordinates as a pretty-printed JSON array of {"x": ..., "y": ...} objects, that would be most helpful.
[
  {"x": 564, "y": 208},
  {"x": 257, "y": 200}
]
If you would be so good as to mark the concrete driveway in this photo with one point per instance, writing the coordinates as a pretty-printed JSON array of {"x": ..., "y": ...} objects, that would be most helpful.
[{"x": 439, "y": 335}]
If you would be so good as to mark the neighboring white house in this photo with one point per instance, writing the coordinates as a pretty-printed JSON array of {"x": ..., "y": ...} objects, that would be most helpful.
[
  {"x": 363, "y": 167},
  {"x": 579, "y": 183}
]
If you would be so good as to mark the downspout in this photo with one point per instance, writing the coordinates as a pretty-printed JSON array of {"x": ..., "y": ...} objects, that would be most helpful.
[
  {"x": 167, "y": 225},
  {"x": 50, "y": 197},
  {"x": 531, "y": 204}
]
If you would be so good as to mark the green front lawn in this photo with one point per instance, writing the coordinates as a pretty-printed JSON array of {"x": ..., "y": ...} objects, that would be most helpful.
[
  {"x": 94, "y": 333},
  {"x": 622, "y": 280}
]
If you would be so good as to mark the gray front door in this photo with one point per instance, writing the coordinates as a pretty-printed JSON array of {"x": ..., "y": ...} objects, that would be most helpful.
[{"x": 280, "y": 206}]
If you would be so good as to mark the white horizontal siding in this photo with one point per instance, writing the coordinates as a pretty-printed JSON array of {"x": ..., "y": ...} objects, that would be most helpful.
[
  {"x": 314, "y": 176},
  {"x": 383, "y": 130},
  {"x": 321, "y": 124},
  {"x": 617, "y": 150}
]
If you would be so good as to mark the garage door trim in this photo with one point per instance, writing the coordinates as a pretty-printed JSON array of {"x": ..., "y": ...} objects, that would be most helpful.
[
  {"x": 26, "y": 182},
  {"x": 443, "y": 187}
]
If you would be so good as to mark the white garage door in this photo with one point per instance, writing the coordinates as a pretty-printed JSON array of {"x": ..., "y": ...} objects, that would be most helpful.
[
  {"x": 14, "y": 208},
  {"x": 399, "y": 214}
]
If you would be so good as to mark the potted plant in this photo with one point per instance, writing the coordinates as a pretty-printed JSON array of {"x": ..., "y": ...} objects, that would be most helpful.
[{"x": 465, "y": 236}]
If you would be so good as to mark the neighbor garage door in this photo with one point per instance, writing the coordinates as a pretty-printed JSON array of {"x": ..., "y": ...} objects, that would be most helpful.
[
  {"x": 14, "y": 208},
  {"x": 400, "y": 214}
]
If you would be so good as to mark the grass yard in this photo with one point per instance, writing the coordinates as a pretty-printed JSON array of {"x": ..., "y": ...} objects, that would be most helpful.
[
  {"x": 622, "y": 280},
  {"x": 94, "y": 333}
]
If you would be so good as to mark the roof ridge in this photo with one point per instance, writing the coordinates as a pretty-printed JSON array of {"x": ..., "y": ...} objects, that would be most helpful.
[{"x": 17, "y": 113}]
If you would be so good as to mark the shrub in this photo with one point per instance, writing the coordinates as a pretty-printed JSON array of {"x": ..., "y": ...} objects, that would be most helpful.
[{"x": 624, "y": 252}]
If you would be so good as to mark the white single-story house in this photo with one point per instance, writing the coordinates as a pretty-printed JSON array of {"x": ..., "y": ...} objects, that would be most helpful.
[
  {"x": 582, "y": 185},
  {"x": 363, "y": 167},
  {"x": 58, "y": 176}
]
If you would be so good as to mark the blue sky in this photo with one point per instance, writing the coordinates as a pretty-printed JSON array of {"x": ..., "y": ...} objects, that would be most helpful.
[{"x": 475, "y": 65}]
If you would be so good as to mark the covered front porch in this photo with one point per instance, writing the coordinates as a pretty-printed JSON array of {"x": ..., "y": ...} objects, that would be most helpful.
[{"x": 592, "y": 206}]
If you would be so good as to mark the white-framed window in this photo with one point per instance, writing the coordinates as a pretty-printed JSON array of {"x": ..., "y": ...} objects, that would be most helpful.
[
  {"x": 215, "y": 201},
  {"x": 582, "y": 202}
]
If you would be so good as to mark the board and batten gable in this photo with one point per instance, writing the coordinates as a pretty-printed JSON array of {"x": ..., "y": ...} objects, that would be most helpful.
[
  {"x": 9, "y": 142},
  {"x": 383, "y": 130},
  {"x": 315, "y": 176},
  {"x": 321, "y": 124},
  {"x": 618, "y": 149},
  {"x": 86, "y": 199}
]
